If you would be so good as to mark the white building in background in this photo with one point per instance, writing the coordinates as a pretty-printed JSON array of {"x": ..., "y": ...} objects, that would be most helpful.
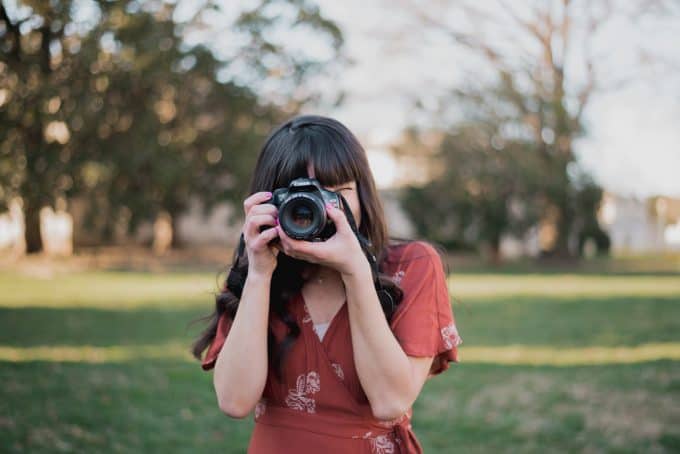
[
  {"x": 641, "y": 225},
  {"x": 12, "y": 234},
  {"x": 56, "y": 231},
  {"x": 635, "y": 226}
]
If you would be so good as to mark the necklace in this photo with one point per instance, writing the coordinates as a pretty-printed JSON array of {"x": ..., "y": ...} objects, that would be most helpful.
[{"x": 320, "y": 279}]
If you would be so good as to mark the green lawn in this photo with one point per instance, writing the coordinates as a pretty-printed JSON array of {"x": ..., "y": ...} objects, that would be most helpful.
[{"x": 555, "y": 362}]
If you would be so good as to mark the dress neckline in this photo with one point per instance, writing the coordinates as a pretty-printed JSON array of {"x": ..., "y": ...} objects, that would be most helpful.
[{"x": 307, "y": 319}]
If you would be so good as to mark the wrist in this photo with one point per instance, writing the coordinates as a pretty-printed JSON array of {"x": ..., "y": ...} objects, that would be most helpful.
[
  {"x": 259, "y": 277},
  {"x": 357, "y": 270}
]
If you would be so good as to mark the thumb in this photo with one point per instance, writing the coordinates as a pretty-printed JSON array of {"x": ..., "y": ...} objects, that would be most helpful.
[{"x": 338, "y": 217}]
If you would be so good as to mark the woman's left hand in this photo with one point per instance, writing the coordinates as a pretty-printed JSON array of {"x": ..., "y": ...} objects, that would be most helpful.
[{"x": 341, "y": 252}]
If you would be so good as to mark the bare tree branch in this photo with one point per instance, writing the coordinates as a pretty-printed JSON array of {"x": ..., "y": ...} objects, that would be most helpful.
[{"x": 13, "y": 30}]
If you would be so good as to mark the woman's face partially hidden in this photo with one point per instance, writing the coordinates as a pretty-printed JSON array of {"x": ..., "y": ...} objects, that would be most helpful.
[{"x": 348, "y": 191}]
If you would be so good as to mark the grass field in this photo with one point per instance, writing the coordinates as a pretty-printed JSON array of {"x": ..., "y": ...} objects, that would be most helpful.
[{"x": 552, "y": 362}]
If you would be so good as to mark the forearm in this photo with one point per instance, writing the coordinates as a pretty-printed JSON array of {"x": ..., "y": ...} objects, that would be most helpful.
[
  {"x": 241, "y": 366},
  {"x": 382, "y": 366}
]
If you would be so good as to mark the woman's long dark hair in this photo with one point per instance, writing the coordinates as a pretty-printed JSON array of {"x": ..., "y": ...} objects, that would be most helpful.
[{"x": 337, "y": 158}]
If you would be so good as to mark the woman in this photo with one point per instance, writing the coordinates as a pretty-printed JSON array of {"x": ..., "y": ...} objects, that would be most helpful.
[{"x": 333, "y": 340}]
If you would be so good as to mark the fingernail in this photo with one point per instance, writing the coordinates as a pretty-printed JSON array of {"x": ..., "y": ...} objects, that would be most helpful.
[
  {"x": 276, "y": 220},
  {"x": 268, "y": 194},
  {"x": 329, "y": 206}
]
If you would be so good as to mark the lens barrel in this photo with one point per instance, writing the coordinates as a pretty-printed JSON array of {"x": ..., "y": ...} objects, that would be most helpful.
[{"x": 302, "y": 215}]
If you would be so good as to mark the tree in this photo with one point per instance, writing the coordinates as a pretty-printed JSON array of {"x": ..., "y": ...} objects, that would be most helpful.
[
  {"x": 482, "y": 184},
  {"x": 544, "y": 58},
  {"x": 112, "y": 104}
]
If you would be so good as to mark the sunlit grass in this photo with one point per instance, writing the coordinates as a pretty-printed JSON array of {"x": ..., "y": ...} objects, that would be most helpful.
[
  {"x": 116, "y": 290},
  {"x": 487, "y": 286},
  {"x": 124, "y": 290},
  {"x": 510, "y": 354},
  {"x": 94, "y": 354},
  {"x": 550, "y": 356}
]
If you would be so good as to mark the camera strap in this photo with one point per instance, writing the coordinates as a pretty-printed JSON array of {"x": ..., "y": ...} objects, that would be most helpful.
[{"x": 383, "y": 294}]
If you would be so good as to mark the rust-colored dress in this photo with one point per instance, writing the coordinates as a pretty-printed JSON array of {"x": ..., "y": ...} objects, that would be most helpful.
[{"x": 321, "y": 406}]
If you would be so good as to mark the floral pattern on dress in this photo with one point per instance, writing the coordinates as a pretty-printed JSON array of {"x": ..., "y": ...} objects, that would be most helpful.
[
  {"x": 260, "y": 408},
  {"x": 398, "y": 276},
  {"x": 380, "y": 444},
  {"x": 338, "y": 371},
  {"x": 299, "y": 398},
  {"x": 450, "y": 336}
]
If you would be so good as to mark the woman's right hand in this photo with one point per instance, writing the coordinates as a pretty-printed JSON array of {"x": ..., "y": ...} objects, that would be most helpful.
[{"x": 261, "y": 255}]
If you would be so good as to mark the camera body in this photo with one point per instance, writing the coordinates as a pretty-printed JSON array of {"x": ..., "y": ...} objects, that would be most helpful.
[{"x": 302, "y": 209}]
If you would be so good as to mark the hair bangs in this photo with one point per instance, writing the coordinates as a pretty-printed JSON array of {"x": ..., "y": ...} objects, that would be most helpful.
[
  {"x": 292, "y": 161},
  {"x": 333, "y": 160}
]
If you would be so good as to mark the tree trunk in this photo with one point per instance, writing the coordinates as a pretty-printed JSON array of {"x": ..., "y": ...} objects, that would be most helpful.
[
  {"x": 561, "y": 248},
  {"x": 495, "y": 251},
  {"x": 563, "y": 201},
  {"x": 176, "y": 242},
  {"x": 32, "y": 232}
]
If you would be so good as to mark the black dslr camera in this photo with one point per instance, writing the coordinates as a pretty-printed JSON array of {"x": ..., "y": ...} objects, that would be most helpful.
[{"x": 302, "y": 209}]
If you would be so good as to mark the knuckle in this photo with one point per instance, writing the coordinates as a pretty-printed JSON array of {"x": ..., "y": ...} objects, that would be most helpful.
[{"x": 265, "y": 208}]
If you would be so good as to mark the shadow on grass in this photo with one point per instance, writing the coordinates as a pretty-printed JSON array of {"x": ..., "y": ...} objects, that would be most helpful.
[
  {"x": 569, "y": 322},
  {"x": 36, "y": 326},
  {"x": 532, "y": 321}
]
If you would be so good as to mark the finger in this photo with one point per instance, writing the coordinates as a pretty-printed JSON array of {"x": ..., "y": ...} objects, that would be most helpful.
[
  {"x": 339, "y": 218},
  {"x": 255, "y": 199},
  {"x": 286, "y": 242},
  {"x": 265, "y": 237},
  {"x": 255, "y": 222},
  {"x": 264, "y": 208},
  {"x": 305, "y": 250},
  {"x": 277, "y": 244},
  {"x": 285, "y": 239},
  {"x": 292, "y": 243},
  {"x": 276, "y": 248}
]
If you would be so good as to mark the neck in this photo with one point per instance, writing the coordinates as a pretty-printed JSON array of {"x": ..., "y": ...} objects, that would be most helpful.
[{"x": 322, "y": 275}]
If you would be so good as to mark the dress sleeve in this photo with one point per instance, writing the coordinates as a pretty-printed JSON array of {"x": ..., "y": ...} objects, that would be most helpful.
[
  {"x": 223, "y": 326},
  {"x": 423, "y": 323}
]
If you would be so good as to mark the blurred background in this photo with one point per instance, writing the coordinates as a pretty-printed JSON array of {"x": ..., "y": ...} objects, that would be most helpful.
[{"x": 537, "y": 142}]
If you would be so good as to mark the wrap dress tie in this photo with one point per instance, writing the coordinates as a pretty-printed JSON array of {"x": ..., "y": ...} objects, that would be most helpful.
[{"x": 319, "y": 405}]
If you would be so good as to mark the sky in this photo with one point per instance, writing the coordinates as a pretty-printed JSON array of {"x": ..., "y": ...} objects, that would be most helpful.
[{"x": 633, "y": 141}]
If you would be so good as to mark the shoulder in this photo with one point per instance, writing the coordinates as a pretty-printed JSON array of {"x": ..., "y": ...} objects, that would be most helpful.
[
  {"x": 417, "y": 257},
  {"x": 419, "y": 251}
]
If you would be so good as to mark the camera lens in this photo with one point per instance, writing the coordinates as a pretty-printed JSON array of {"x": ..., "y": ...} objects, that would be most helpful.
[{"x": 302, "y": 216}]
